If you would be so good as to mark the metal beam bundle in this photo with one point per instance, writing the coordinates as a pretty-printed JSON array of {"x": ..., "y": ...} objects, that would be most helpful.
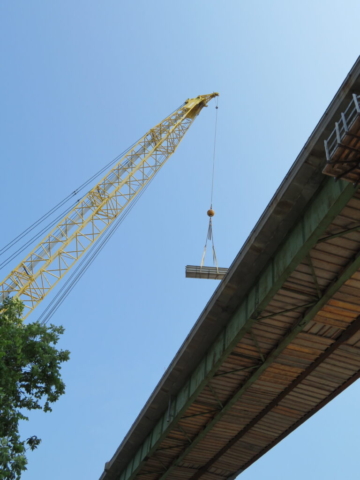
[{"x": 214, "y": 273}]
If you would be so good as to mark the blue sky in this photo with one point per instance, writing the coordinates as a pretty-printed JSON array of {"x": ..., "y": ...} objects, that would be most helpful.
[{"x": 81, "y": 81}]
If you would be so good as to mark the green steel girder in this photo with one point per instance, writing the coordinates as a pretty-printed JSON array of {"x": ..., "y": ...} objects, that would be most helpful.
[
  {"x": 313, "y": 274},
  {"x": 339, "y": 234},
  {"x": 256, "y": 343},
  {"x": 202, "y": 414},
  {"x": 189, "y": 439},
  {"x": 212, "y": 390},
  {"x": 326, "y": 205},
  {"x": 244, "y": 369},
  {"x": 287, "y": 310}
]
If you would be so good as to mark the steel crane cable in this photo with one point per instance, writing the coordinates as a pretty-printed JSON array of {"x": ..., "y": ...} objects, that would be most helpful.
[
  {"x": 52, "y": 223},
  {"x": 214, "y": 152},
  {"x": 66, "y": 199},
  {"x": 210, "y": 212},
  {"x": 62, "y": 202},
  {"x": 86, "y": 262},
  {"x": 37, "y": 235},
  {"x": 35, "y": 224}
]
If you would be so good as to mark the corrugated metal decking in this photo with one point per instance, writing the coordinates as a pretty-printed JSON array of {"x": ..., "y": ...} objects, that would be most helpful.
[{"x": 278, "y": 340}]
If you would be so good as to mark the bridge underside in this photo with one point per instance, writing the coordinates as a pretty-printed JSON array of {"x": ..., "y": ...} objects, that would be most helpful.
[
  {"x": 279, "y": 339},
  {"x": 294, "y": 355}
]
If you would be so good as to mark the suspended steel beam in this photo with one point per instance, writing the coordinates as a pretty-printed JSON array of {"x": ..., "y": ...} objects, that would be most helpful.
[{"x": 214, "y": 273}]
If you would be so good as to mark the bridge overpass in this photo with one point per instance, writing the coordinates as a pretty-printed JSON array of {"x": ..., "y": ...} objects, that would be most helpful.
[{"x": 280, "y": 337}]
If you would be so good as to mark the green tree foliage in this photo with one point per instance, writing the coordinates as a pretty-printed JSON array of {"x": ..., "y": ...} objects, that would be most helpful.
[{"x": 29, "y": 380}]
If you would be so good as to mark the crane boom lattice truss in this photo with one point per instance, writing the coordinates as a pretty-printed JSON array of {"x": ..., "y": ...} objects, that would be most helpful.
[{"x": 53, "y": 257}]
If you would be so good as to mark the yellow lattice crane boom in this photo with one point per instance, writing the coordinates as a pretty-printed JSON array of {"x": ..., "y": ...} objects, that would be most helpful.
[{"x": 52, "y": 258}]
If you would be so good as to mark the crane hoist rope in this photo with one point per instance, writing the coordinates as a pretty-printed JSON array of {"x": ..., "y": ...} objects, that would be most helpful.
[
  {"x": 85, "y": 263},
  {"x": 214, "y": 153},
  {"x": 48, "y": 214},
  {"x": 215, "y": 272},
  {"x": 40, "y": 271},
  {"x": 53, "y": 221},
  {"x": 211, "y": 212}
]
